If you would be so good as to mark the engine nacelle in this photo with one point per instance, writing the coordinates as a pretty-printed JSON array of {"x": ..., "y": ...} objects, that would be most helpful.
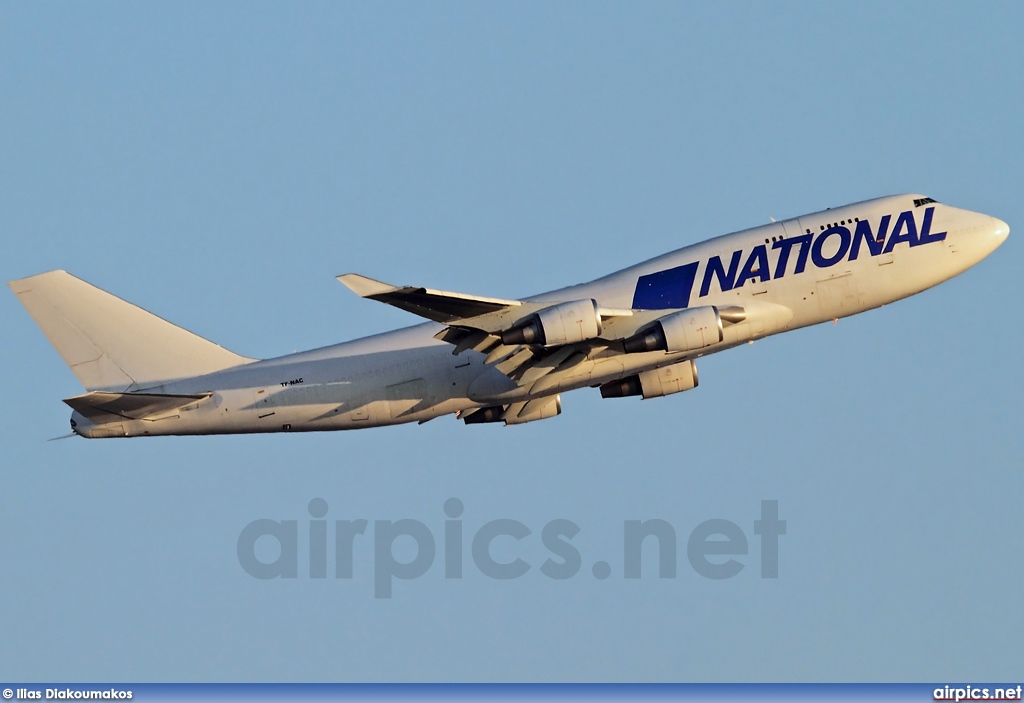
[
  {"x": 565, "y": 323},
  {"x": 517, "y": 413},
  {"x": 692, "y": 329},
  {"x": 536, "y": 409},
  {"x": 654, "y": 383}
]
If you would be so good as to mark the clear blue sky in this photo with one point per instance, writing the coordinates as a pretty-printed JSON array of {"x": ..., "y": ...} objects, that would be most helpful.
[{"x": 219, "y": 164}]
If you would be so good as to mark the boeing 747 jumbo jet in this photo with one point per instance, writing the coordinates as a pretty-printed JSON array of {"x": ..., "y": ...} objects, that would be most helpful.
[{"x": 635, "y": 332}]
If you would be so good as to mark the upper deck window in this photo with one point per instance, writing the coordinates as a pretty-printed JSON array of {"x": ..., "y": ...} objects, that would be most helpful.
[{"x": 918, "y": 202}]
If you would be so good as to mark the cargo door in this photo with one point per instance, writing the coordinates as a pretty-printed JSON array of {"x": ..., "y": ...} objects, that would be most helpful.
[
  {"x": 838, "y": 295},
  {"x": 759, "y": 285},
  {"x": 793, "y": 229}
]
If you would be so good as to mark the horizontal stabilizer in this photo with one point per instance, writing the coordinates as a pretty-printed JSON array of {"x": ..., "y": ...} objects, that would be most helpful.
[{"x": 134, "y": 406}]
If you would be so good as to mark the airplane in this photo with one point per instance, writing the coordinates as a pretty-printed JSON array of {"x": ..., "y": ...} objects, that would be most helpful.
[{"x": 635, "y": 332}]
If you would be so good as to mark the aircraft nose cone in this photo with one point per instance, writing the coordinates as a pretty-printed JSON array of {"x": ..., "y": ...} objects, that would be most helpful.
[{"x": 1001, "y": 231}]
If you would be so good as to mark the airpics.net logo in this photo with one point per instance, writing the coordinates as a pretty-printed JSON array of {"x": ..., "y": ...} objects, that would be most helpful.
[{"x": 715, "y": 548}]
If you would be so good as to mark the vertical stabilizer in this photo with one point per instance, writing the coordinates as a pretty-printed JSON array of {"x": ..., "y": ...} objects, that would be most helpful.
[{"x": 110, "y": 344}]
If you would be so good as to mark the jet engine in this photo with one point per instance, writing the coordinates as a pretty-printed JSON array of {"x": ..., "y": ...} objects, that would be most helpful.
[
  {"x": 654, "y": 383},
  {"x": 687, "y": 330},
  {"x": 565, "y": 323},
  {"x": 536, "y": 409},
  {"x": 517, "y": 413}
]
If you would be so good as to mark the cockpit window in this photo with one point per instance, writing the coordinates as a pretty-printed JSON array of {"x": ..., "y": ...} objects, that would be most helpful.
[{"x": 918, "y": 202}]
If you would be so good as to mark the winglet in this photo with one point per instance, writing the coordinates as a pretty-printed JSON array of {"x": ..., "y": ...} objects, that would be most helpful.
[{"x": 365, "y": 287}]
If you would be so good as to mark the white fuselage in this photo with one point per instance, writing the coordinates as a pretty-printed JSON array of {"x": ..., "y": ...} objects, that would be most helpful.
[{"x": 788, "y": 274}]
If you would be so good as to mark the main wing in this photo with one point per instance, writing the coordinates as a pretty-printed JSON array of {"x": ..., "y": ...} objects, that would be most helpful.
[
  {"x": 480, "y": 323},
  {"x": 490, "y": 325},
  {"x": 537, "y": 345}
]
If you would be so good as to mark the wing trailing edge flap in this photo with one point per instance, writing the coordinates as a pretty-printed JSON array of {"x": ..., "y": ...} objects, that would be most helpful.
[{"x": 133, "y": 406}]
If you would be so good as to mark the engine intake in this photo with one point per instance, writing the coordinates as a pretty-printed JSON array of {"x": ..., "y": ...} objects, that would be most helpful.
[
  {"x": 565, "y": 323},
  {"x": 622, "y": 388},
  {"x": 687, "y": 330},
  {"x": 492, "y": 413}
]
